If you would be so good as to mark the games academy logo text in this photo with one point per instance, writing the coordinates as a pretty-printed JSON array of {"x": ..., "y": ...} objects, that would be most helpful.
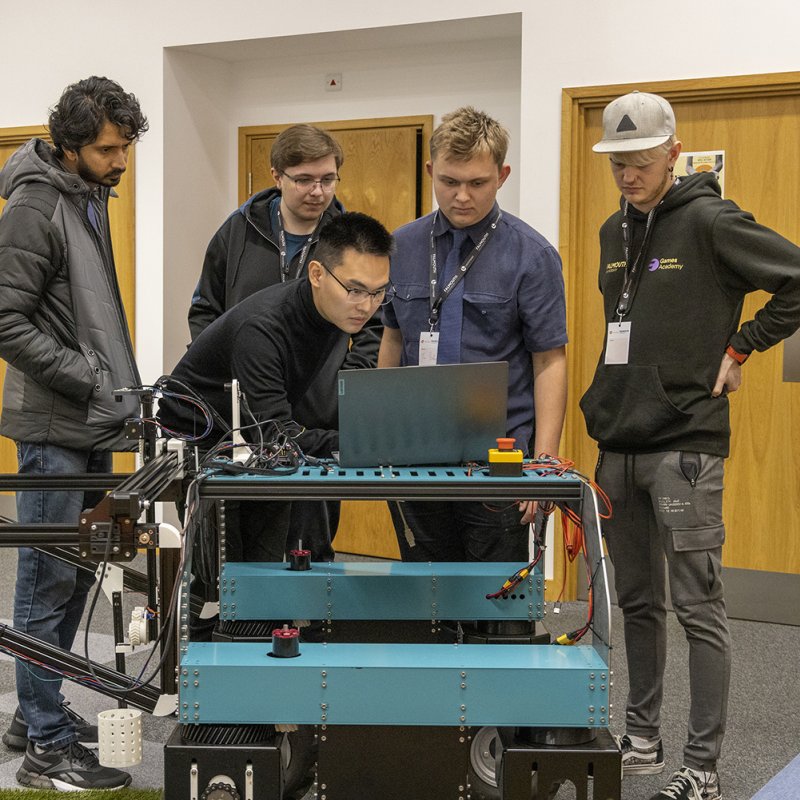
[{"x": 652, "y": 265}]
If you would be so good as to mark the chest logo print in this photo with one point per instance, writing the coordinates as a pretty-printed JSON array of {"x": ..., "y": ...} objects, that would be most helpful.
[{"x": 664, "y": 263}]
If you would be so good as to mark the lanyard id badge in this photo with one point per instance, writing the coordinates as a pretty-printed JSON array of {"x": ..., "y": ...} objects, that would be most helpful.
[
  {"x": 428, "y": 348},
  {"x": 436, "y": 297},
  {"x": 618, "y": 342},
  {"x": 284, "y": 265}
]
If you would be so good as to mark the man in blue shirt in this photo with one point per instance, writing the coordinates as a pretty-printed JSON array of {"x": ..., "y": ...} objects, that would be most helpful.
[{"x": 474, "y": 283}]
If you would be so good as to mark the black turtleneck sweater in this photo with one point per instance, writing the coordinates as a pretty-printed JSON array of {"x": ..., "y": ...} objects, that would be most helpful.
[{"x": 273, "y": 343}]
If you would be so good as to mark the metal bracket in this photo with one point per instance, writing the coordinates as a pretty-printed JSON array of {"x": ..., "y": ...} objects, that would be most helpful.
[
  {"x": 166, "y": 705},
  {"x": 112, "y": 577}
]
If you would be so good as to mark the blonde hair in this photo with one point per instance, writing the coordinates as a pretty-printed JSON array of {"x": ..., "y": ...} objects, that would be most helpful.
[
  {"x": 641, "y": 158},
  {"x": 466, "y": 133}
]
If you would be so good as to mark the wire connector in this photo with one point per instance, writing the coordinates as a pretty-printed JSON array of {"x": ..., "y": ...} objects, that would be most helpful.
[{"x": 568, "y": 638}]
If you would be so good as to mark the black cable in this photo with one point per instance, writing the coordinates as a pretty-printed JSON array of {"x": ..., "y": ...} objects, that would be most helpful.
[
  {"x": 167, "y": 616},
  {"x": 209, "y": 410},
  {"x": 167, "y": 628}
]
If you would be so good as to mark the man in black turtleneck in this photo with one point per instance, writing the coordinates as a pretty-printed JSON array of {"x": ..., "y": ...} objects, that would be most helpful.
[{"x": 275, "y": 343}]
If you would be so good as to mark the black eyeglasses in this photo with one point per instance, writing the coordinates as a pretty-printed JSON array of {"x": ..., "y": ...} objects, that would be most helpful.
[
  {"x": 381, "y": 296},
  {"x": 306, "y": 183}
]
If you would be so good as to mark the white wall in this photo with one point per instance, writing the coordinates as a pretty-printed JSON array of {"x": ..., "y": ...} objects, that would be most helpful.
[
  {"x": 566, "y": 44},
  {"x": 388, "y": 82},
  {"x": 198, "y": 143}
]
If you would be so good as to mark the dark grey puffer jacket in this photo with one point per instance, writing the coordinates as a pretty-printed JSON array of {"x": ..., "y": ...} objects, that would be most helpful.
[{"x": 62, "y": 325}]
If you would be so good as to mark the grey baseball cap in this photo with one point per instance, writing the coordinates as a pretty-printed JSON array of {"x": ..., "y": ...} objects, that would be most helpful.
[{"x": 636, "y": 121}]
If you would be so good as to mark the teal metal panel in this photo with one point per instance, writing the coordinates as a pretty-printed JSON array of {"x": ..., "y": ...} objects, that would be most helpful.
[
  {"x": 360, "y": 684},
  {"x": 377, "y": 590},
  {"x": 407, "y": 483}
]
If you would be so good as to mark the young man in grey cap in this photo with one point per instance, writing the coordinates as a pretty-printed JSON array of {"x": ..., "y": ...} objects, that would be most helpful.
[{"x": 676, "y": 263}]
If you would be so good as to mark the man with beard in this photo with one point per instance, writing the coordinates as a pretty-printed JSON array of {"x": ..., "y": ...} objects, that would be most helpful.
[{"x": 64, "y": 335}]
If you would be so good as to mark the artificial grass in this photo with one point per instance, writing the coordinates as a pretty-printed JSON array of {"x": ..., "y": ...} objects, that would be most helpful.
[{"x": 50, "y": 794}]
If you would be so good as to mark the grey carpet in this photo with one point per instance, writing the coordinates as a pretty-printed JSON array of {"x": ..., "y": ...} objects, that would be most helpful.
[{"x": 763, "y": 725}]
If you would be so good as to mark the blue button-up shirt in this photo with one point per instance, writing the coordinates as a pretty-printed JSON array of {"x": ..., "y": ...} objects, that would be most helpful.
[{"x": 513, "y": 301}]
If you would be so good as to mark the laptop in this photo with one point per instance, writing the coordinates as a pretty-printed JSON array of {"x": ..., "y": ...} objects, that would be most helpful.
[{"x": 439, "y": 414}]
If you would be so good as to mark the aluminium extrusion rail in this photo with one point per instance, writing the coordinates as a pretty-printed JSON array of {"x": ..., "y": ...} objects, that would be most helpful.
[{"x": 74, "y": 667}]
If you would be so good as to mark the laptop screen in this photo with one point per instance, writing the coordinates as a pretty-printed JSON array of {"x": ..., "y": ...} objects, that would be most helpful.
[{"x": 439, "y": 414}]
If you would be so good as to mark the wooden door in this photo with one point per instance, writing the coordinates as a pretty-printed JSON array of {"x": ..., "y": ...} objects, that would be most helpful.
[
  {"x": 754, "y": 120},
  {"x": 383, "y": 175},
  {"x": 121, "y": 214}
]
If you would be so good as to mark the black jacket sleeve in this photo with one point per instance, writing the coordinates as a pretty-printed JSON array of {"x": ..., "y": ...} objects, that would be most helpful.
[
  {"x": 762, "y": 259},
  {"x": 261, "y": 372},
  {"x": 208, "y": 302},
  {"x": 31, "y": 253}
]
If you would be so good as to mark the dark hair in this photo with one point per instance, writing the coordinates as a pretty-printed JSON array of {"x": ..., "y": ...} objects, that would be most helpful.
[
  {"x": 300, "y": 143},
  {"x": 85, "y": 106},
  {"x": 355, "y": 231}
]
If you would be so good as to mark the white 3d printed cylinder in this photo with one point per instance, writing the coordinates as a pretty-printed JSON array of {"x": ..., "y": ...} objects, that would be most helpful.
[{"x": 120, "y": 737}]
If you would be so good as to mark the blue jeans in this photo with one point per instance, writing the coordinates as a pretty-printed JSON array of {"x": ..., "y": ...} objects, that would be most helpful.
[{"x": 50, "y": 595}]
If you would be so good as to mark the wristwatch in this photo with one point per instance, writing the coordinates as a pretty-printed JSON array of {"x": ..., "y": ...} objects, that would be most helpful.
[{"x": 739, "y": 358}]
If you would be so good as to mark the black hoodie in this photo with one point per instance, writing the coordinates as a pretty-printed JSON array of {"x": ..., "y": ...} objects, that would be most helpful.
[{"x": 704, "y": 254}]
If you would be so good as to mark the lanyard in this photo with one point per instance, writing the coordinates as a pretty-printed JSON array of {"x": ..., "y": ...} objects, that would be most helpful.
[
  {"x": 282, "y": 247},
  {"x": 436, "y": 300},
  {"x": 633, "y": 272}
]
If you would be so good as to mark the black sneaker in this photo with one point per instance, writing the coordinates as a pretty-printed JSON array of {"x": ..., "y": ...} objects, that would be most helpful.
[
  {"x": 691, "y": 784},
  {"x": 68, "y": 769},
  {"x": 16, "y": 737},
  {"x": 641, "y": 761}
]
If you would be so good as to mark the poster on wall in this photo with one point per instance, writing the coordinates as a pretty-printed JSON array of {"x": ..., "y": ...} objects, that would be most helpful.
[{"x": 704, "y": 161}]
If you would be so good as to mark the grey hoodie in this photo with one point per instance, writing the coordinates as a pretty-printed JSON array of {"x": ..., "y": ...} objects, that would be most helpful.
[{"x": 63, "y": 330}]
